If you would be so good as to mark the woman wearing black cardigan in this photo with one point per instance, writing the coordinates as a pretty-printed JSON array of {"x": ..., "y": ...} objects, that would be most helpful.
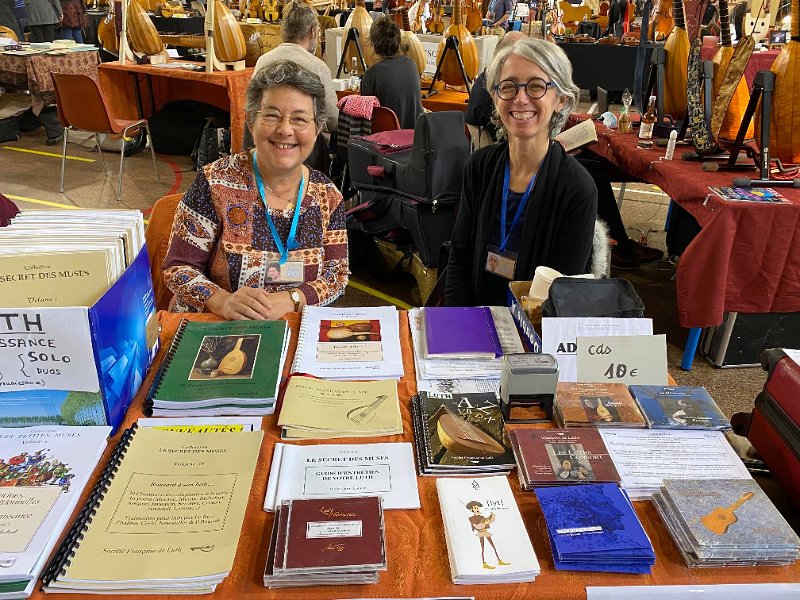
[{"x": 525, "y": 202}]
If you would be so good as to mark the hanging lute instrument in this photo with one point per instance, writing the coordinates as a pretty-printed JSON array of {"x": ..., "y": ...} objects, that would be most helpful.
[
  {"x": 410, "y": 44},
  {"x": 450, "y": 71},
  {"x": 229, "y": 40},
  {"x": 677, "y": 63}
]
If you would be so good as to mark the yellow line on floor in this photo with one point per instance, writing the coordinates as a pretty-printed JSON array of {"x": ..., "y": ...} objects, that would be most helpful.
[
  {"x": 42, "y": 202},
  {"x": 373, "y": 292},
  {"x": 78, "y": 158}
]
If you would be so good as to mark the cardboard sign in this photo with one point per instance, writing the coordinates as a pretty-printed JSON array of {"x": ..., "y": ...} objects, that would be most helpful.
[{"x": 629, "y": 359}]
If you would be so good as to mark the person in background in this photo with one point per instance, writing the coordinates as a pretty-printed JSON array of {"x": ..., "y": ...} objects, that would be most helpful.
[
  {"x": 524, "y": 200},
  {"x": 8, "y": 18},
  {"x": 43, "y": 19},
  {"x": 74, "y": 20},
  {"x": 394, "y": 79},
  {"x": 499, "y": 13},
  {"x": 418, "y": 16},
  {"x": 247, "y": 210}
]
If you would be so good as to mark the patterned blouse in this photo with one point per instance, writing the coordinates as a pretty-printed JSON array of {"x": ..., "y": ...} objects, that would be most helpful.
[{"x": 221, "y": 240}]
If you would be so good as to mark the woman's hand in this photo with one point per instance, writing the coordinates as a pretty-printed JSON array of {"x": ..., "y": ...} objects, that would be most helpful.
[{"x": 250, "y": 303}]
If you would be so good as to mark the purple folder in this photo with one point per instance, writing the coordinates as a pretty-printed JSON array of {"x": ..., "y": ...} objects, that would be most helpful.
[{"x": 460, "y": 332}]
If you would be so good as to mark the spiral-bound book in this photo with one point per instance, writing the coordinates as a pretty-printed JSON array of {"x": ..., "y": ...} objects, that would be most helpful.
[
  {"x": 165, "y": 516},
  {"x": 231, "y": 367}
]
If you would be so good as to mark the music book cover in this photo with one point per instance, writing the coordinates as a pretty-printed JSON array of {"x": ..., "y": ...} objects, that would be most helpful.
[
  {"x": 754, "y": 194},
  {"x": 596, "y": 405},
  {"x": 335, "y": 533},
  {"x": 170, "y": 510},
  {"x": 212, "y": 362},
  {"x": 679, "y": 407},
  {"x": 552, "y": 456},
  {"x": 464, "y": 430},
  {"x": 728, "y": 514},
  {"x": 595, "y": 523},
  {"x": 466, "y": 332}
]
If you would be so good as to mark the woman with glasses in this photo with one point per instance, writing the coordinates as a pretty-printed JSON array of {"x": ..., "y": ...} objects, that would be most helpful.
[
  {"x": 248, "y": 211},
  {"x": 525, "y": 201}
]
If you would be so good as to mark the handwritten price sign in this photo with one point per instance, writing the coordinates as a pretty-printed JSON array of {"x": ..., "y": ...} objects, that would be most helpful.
[{"x": 640, "y": 359}]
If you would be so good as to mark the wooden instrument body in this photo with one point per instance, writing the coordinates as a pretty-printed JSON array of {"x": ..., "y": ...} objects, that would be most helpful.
[
  {"x": 474, "y": 16},
  {"x": 435, "y": 24},
  {"x": 720, "y": 519},
  {"x": 107, "y": 33},
  {"x": 169, "y": 9},
  {"x": 409, "y": 43},
  {"x": 229, "y": 43},
  {"x": 269, "y": 11},
  {"x": 450, "y": 71},
  {"x": 464, "y": 438},
  {"x": 558, "y": 27},
  {"x": 234, "y": 361},
  {"x": 662, "y": 20},
  {"x": 360, "y": 20},
  {"x": 677, "y": 63},
  {"x": 784, "y": 131},
  {"x": 141, "y": 31}
]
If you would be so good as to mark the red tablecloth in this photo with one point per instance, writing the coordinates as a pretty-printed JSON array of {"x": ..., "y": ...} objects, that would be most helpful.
[{"x": 746, "y": 258}]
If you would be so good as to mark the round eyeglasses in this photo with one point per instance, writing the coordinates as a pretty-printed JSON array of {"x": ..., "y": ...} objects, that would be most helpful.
[
  {"x": 536, "y": 88},
  {"x": 298, "y": 121}
]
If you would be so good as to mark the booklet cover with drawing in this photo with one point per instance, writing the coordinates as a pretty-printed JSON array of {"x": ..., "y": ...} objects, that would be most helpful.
[{"x": 349, "y": 343}]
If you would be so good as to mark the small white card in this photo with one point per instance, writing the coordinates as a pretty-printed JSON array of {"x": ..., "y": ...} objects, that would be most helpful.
[
  {"x": 357, "y": 479},
  {"x": 333, "y": 529},
  {"x": 628, "y": 359}
]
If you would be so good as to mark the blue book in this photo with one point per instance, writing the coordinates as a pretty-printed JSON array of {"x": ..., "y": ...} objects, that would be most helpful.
[
  {"x": 593, "y": 527},
  {"x": 678, "y": 407}
]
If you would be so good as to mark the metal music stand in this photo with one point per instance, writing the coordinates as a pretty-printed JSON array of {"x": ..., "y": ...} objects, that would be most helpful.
[{"x": 450, "y": 43}]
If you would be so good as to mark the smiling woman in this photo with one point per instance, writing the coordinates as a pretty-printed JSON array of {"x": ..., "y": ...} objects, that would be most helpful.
[
  {"x": 525, "y": 202},
  {"x": 258, "y": 234}
]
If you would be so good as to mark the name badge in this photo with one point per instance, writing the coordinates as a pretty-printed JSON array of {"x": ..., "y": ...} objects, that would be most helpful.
[
  {"x": 501, "y": 262},
  {"x": 289, "y": 272}
]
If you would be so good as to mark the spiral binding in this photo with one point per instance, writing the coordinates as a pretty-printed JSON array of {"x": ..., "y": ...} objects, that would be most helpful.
[
  {"x": 151, "y": 393},
  {"x": 69, "y": 545},
  {"x": 301, "y": 341}
]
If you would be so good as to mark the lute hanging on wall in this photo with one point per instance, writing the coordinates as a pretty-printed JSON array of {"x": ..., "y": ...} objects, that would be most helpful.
[
  {"x": 677, "y": 63},
  {"x": 784, "y": 131}
]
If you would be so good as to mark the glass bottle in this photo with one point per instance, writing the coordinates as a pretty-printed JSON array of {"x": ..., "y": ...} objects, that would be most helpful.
[
  {"x": 355, "y": 81},
  {"x": 625, "y": 124},
  {"x": 648, "y": 120}
]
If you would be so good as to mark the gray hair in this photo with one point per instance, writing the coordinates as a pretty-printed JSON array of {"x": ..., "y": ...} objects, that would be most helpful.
[
  {"x": 285, "y": 73},
  {"x": 549, "y": 58},
  {"x": 298, "y": 22}
]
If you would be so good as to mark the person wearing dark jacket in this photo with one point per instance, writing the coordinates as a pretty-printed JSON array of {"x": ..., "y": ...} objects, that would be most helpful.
[
  {"x": 525, "y": 202},
  {"x": 8, "y": 18},
  {"x": 394, "y": 79},
  {"x": 43, "y": 19}
]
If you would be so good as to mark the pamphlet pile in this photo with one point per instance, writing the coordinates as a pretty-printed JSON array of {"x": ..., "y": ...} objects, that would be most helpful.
[
  {"x": 594, "y": 528},
  {"x": 225, "y": 368},
  {"x": 486, "y": 538},
  {"x": 326, "y": 541},
  {"x": 678, "y": 407},
  {"x": 45, "y": 469},
  {"x": 460, "y": 434},
  {"x": 596, "y": 405},
  {"x": 557, "y": 456},
  {"x": 318, "y": 409}
]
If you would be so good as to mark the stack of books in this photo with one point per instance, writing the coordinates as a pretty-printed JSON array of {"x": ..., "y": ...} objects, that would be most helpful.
[
  {"x": 326, "y": 541},
  {"x": 678, "y": 407},
  {"x": 596, "y": 405},
  {"x": 227, "y": 368},
  {"x": 486, "y": 538},
  {"x": 459, "y": 434},
  {"x": 558, "y": 456},
  {"x": 594, "y": 528},
  {"x": 319, "y": 409},
  {"x": 725, "y": 522}
]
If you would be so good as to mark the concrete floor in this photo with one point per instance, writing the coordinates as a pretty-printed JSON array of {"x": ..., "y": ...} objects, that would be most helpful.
[{"x": 29, "y": 175}]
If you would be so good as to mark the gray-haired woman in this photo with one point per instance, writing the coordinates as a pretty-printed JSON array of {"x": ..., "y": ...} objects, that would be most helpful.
[
  {"x": 251, "y": 209},
  {"x": 525, "y": 202}
]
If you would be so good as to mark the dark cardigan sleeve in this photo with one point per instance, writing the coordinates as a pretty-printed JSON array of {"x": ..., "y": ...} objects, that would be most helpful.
[{"x": 462, "y": 245}]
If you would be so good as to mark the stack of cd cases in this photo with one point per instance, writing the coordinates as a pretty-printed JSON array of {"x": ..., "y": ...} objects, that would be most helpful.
[
  {"x": 725, "y": 522},
  {"x": 326, "y": 541}
]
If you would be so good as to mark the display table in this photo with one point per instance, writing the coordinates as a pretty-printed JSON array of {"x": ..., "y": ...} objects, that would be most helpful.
[
  {"x": 32, "y": 72},
  {"x": 415, "y": 543},
  {"x": 745, "y": 259},
  {"x": 136, "y": 91}
]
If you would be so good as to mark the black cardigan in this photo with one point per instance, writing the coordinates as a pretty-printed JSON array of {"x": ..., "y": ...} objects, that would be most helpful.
[{"x": 558, "y": 227}]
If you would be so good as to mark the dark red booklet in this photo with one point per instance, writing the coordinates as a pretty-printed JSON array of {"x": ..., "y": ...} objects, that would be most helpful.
[
  {"x": 336, "y": 534},
  {"x": 553, "y": 456}
]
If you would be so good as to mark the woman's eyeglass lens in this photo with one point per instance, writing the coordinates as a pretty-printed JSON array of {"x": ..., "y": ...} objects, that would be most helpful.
[
  {"x": 272, "y": 118},
  {"x": 535, "y": 88}
]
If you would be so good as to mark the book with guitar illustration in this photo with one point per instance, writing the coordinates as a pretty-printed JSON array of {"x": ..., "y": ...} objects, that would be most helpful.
[
  {"x": 460, "y": 433},
  {"x": 725, "y": 522},
  {"x": 229, "y": 363}
]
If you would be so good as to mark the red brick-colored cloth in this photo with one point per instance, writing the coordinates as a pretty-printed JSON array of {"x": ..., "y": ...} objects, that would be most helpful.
[{"x": 358, "y": 106}]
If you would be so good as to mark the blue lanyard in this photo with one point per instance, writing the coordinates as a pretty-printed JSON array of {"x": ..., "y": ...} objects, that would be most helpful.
[
  {"x": 504, "y": 207},
  {"x": 290, "y": 245}
]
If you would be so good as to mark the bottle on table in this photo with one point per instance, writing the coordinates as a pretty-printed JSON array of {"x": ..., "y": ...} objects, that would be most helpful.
[
  {"x": 355, "y": 81},
  {"x": 648, "y": 120}
]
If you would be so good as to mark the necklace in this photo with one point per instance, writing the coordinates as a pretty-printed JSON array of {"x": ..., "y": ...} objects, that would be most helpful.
[{"x": 287, "y": 210}]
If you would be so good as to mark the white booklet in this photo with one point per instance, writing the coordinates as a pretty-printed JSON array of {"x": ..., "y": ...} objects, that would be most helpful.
[
  {"x": 341, "y": 470},
  {"x": 486, "y": 538},
  {"x": 45, "y": 469},
  {"x": 349, "y": 343},
  {"x": 560, "y": 335},
  {"x": 645, "y": 457}
]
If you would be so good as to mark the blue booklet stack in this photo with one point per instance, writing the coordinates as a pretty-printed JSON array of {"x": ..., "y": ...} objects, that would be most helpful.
[{"x": 593, "y": 527}]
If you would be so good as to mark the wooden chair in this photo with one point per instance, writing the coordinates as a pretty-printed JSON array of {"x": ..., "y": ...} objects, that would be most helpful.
[
  {"x": 157, "y": 236},
  {"x": 7, "y": 32},
  {"x": 384, "y": 119},
  {"x": 81, "y": 105}
]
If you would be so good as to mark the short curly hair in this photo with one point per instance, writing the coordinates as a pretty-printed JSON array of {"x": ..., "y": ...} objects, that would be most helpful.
[
  {"x": 384, "y": 35},
  {"x": 280, "y": 73}
]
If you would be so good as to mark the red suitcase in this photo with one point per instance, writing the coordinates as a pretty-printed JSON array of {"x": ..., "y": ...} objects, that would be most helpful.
[{"x": 775, "y": 423}]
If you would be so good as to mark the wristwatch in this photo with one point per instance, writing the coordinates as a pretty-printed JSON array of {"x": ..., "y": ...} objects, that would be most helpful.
[{"x": 295, "y": 296}]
